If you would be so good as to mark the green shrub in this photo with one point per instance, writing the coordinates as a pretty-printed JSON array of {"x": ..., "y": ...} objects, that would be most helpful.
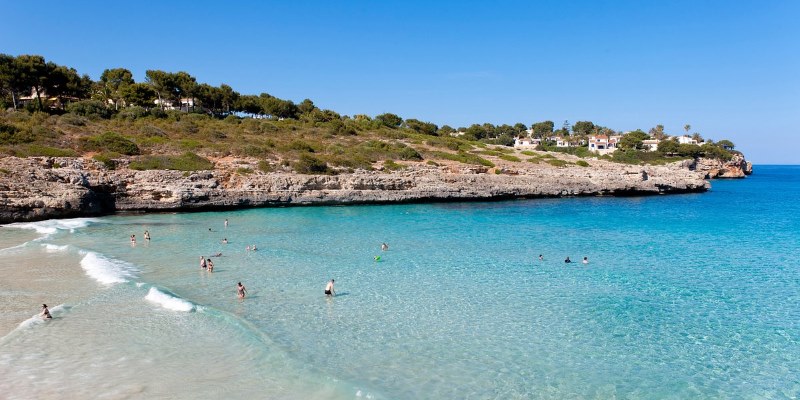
[
  {"x": 308, "y": 164},
  {"x": 465, "y": 158},
  {"x": 529, "y": 153},
  {"x": 390, "y": 165},
  {"x": 264, "y": 166},
  {"x": 110, "y": 141},
  {"x": 73, "y": 119},
  {"x": 509, "y": 157},
  {"x": 107, "y": 159},
  {"x": 186, "y": 162},
  {"x": 244, "y": 171},
  {"x": 582, "y": 163},
  {"x": 556, "y": 162},
  {"x": 132, "y": 113},
  {"x": 408, "y": 153},
  {"x": 9, "y": 134},
  {"x": 35, "y": 150},
  {"x": 92, "y": 109}
]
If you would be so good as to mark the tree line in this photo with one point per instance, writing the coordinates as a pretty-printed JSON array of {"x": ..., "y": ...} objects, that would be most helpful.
[{"x": 56, "y": 87}]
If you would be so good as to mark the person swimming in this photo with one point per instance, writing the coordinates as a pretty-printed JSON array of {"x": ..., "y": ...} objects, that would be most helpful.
[
  {"x": 225, "y": 241},
  {"x": 45, "y": 314},
  {"x": 329, "y": 291},
  {"x": 541, "y": 257},
  {"x": 567, "y": 260},
  {"x": 585, "y": 260},
  {"x": 384, "y": 246},
  {"x": 241, "y": 291},
  {"x": 255, "y": 248}
]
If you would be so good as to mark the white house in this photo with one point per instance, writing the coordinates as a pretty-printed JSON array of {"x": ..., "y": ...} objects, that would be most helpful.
[
  {"x": 603, "y": 144},
  {"x": 651, "y": 144},
  {"x": 526, "y": 142},
  {"x": 686, "y": 139}
]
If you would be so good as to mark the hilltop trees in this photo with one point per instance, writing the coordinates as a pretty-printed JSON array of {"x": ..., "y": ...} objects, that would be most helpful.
[
  {"x": 542, "y": 129},
  {"x": 113, "y": 84},
  {"x": 583, "y": 128}
]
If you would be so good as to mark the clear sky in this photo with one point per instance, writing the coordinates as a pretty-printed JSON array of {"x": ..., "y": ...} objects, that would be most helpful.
[{"x": 731, "y": 69}]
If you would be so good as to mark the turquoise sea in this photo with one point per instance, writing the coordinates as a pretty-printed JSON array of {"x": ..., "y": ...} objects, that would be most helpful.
[{"x": 684, "y": 296}]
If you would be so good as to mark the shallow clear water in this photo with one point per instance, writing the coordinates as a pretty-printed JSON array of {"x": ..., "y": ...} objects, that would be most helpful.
[{"x": 685, "y": 296}]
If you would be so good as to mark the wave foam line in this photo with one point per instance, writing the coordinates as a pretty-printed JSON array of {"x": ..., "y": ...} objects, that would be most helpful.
[
  {"x": 19, "y": 246},
  {"x": 51, "y": 226},
  {"x": 106, "y": 270},
  {"x": 168, "y": 301},
  {"x": 52, "y": 248}
]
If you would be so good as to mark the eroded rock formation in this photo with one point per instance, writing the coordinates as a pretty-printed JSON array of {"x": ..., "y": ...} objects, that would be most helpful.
[{"x": 42, "y": 187}]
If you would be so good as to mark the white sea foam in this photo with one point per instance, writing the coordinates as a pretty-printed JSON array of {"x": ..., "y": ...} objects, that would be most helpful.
[
  {"x": 52, "y": 226},
  {"x": 55, "y": 248},
  {"x": 106, "y": 270},
  {"x": 168, "y": 301},
  {"x": 19, "y": 246}
]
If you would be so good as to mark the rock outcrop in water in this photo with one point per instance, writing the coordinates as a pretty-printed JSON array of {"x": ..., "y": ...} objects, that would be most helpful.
[
  {"x": 42, "y": 187},
  {"x": 737, "y": 167}
]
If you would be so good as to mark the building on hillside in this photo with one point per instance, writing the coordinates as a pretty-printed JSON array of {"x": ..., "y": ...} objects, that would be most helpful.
[
  {"x": 603, "y": 144},
  {"x": 686, "y": 139},
  {"x": 651, "y": 144},
  {"x": 525, "y": 142}
]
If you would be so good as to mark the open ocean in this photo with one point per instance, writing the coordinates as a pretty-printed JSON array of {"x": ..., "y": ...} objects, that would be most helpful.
[{"x": 685, "y": 296}]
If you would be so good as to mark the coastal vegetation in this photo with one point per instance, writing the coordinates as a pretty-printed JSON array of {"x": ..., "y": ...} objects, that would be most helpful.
[{"x": 171, "y": 121}]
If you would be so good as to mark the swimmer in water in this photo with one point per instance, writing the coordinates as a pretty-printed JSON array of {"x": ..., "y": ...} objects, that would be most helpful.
[
  {"x": 226, "y": 222},
  {"x": 254, "y": 248},
  {"x": 541, "y": 257},
  {"x": 329, "y": 291},
  {"x": 567, "y": 260},
  {"x": 147, "y": 235},
  {"x": 384, "y": 247},
  {"x": 247, "y": 248},
  {"x": 133, "y": 239},
  {"x": 585, "y": 260},
  {"x": 210, "y": 265},
  {"x": 241, "y": 291},
  {"x": 202, "y": 262},
  {"x": 225, "y": 241},
  {"x": 45, "y": 314}
]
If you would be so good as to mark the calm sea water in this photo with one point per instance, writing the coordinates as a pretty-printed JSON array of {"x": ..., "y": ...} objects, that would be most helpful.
[{"x": 684, "y": 296}]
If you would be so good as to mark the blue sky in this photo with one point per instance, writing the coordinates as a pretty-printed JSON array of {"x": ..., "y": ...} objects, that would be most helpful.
[{"x": 731, "y": 69}]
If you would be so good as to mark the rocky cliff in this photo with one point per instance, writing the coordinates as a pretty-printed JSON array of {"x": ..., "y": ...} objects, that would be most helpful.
[
  {"x": 42, "y": 187},
  {"x": 737, "y": 167}
]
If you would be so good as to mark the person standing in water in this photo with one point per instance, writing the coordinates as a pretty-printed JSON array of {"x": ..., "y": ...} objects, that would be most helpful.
[
  {"x": 210, "y": 265},
  {"x": 329, "y": 291},
  {"x": 45, "y": 314},
  {"x": 241, "y": 291},
  {"x": 203, "y": 262},
  {"x": 147, "y": 235},
  {"x": 226, "y": 222},
  {"x": 585, "y": 260},
  {"x": 133, "y": 239}
]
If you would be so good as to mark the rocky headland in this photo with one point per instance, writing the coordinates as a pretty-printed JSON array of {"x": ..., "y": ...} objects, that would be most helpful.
[{"x": 38, "y": 188}]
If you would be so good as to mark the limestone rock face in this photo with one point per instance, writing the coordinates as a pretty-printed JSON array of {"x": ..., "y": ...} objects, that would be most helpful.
[
  {"x": 40, "y": 188},
  {"x": 737, "y": 167}
]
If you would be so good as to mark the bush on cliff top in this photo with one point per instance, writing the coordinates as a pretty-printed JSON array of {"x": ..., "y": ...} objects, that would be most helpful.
[{"x": 185, "y": 162}]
